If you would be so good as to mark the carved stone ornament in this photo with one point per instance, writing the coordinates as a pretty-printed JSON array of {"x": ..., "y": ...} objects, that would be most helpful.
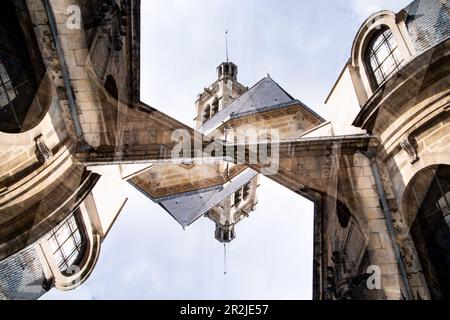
[
  {"x": 340, "y": 285},
  {"x": 44, "y": 153},
  {"x": 113, "y": 19},
  {"x": 410, "y": 146}
]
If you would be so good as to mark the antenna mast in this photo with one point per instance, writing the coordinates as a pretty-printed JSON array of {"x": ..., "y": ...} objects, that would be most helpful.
[
  {"x": 225, "y": 259},
  {"x": 226, "y": 43}
]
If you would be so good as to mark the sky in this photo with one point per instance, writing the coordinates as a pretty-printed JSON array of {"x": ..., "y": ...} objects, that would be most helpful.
[{"x": 303, "y": 45}]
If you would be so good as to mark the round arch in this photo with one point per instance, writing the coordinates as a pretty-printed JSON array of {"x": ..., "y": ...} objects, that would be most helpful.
[
  {"x": 76, "y": 274},
  {"x": 377, "y": 21},
  {"x": 426, "y": 207}
]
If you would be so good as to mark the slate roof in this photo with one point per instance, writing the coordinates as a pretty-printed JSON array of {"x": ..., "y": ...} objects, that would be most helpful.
[
  {"x": 188, "y": 207},
  {"x": 263, "y": 96},
  {"x": 428, "y": 23},
  {"x": 21, "y": 276}
]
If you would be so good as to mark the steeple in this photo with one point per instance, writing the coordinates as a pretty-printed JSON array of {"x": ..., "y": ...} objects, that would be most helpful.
[
  {"x": 224, "y": 259},
  {"x": 227, "y": 70},
  {"x": 224, "y": 233},
  {"x": 219, "y": 94}
]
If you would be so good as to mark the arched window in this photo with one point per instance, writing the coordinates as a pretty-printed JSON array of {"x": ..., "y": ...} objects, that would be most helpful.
[
  {"x": 206, "y": 113},
  {"x": 246, "y": 191},
  {"x": 431, "y": 228},
  {"x": 237, "y": 197},
  {"x": 7, "y": 92},
  {"x": 24, "y": 88},
  {"x": 67, "y": 242},
  {"x": 383, "y": 56},
  {"x": 214, "y": 107}
]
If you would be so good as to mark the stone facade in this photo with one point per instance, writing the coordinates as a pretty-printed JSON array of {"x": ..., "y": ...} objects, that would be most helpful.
[{"x": 377, "y": 170}]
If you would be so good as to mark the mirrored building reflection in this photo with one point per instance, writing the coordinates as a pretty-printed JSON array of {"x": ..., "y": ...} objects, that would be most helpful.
[{"x": 73, "y": 132}]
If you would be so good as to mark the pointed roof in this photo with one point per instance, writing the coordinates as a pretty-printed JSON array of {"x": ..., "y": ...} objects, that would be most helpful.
[
  {"x": 187, "y": 207},
  {"x": 265, "y": 95}
]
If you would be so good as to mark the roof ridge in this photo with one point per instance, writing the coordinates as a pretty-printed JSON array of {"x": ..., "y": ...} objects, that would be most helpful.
[{"x": 234, "y": 100}]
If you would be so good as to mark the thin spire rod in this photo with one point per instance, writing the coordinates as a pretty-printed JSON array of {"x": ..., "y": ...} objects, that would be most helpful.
[
  {"x": 225, "y": 259},
  {"x": 226, "y": 43}
]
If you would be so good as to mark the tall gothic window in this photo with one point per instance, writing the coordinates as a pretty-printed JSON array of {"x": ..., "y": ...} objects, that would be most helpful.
[
  {"x": 67, "y": 242},
  {"x": 383, "y": 56}
]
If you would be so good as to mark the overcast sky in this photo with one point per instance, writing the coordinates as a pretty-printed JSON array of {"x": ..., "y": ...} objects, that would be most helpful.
[{"x": 303, "y": 45}]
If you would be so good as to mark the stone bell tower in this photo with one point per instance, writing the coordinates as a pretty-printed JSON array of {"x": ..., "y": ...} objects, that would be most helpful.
[
  {"x": 238, "y": 196},
  {"x": 219, "y": 94}
]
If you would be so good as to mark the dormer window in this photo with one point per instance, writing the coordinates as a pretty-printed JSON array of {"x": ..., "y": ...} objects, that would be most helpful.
[
  {"x": 67, "y": 242},
  {"x": 383, "y": 56}
]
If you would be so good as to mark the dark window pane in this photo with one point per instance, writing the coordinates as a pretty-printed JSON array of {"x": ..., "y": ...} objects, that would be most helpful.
[
  {"x": 383, "y": 56},
  {"x": 66, "y": 243}
]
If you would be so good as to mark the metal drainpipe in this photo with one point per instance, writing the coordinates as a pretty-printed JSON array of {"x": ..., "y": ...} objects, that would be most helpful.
[
  {"x": 388, "y": 218},
  {"x": 65, "y": 74}
]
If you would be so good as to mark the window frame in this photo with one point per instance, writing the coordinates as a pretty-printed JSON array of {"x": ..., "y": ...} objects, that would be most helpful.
[
  {"x": 64, "y": 260},
  {"x": 387, "y": 42}
]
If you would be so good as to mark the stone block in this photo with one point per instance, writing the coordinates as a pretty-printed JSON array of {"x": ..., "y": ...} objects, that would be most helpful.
[
  {"x": 382, "y": 256},
  {"x": 90, "y": 116},
  {"x": 377, "y": 225},
  {"x": 81, "y": 56},
  {"x": 374, "y": 241},
  {"x": 389, "y": 269},
  {"x": 78, "y": 73},
  {"x": 363, "y": 183},
  {"x": 386, "y": 241},
  {"x": 82, "y": 85}
]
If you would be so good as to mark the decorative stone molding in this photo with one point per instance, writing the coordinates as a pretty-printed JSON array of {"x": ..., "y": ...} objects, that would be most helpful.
[
  {"x": 360, "y": 75},
  {"x": 75, "y": 274},
  {"x": 410, "y": 146},
  {"x": 44, "y": 152}
]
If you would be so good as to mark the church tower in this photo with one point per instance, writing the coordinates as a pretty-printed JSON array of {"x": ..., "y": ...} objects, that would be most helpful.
[
  {"x": 240, "y": 199},
  {"x": 219, "y": 94}
]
